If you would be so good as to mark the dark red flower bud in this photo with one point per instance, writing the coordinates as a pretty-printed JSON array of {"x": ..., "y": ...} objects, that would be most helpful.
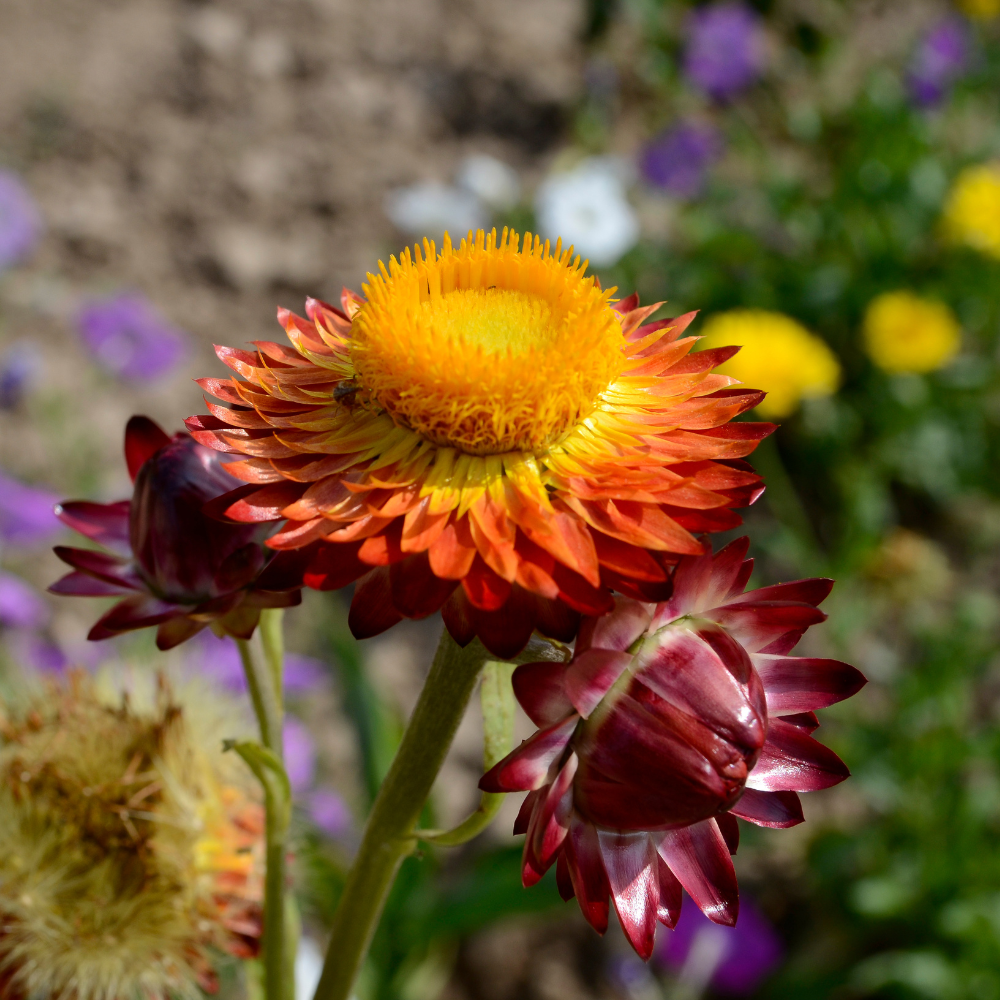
[
  {"x": 671, "y": 720},
  {"x": 175, "y": 566}
]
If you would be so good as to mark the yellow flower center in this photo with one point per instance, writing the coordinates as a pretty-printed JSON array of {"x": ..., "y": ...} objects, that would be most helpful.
[{"x": 488, "y": 348}]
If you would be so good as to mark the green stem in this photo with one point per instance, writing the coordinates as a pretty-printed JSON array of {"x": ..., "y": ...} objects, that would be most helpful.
[
  {"x": 267, "y": 702},
  {"x": 388, "y": 837}
]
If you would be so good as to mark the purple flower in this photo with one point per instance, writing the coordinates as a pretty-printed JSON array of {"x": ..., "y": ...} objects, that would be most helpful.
[
  {"x": 329, "y": 812},
  {"x": 725, "y": 50},
  {"x": 36, "y": 652},
  {"x": 220, "y": 659},
  {"x": 940, "y": 59},
  {"x": 20, "y": 221},
  {"x": 128, "y": 337},
  {"x": 300, "y": 754},
  {"x": 19, "y": 365},
  {"x": 26, "y": 514},
  {"x": 21, "y": 606},
  {"x": 731, "y": 959},
  {"x": 678, "y": 158}
]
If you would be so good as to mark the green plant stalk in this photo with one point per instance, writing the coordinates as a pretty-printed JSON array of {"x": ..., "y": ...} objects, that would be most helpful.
[
  {"x": 264, "y": 683},
  {"x": 388, "y": 836}
]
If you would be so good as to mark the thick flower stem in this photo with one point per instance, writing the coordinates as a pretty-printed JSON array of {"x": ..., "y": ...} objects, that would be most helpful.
[
  {"x": 388, "y": 837},
  {"x": 264, "y": 683}
]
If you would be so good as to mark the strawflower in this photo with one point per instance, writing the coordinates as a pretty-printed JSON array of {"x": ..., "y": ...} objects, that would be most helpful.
[
  {"x": 905, "y": 333},
  {"x": 670, "y": 721},
  {"x": 725, "y": 49},
  {"x": 778, "y": 355},
  {"x": 131, "y": 847},
  {"x": 175, "y": 566},
  {"x": 972, "y": 211},
  {"x": 488, "y": 434}
]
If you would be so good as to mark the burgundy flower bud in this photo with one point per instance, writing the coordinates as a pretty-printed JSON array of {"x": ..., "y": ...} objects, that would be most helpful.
[
  {"x": 670, "y": 721},
  {"x": 174, "y": 564}
]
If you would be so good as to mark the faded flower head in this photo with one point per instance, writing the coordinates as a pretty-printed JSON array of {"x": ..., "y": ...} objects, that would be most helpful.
[
  {"x": 20, "y": 220},
  {"x": 128, "y": 336},
  {"x": 488, "y": 434},
  {"x": 725, "y": 49},
  {"x": 941, "y": 58},
  {"x": 972, "y": 210},
  {"x": 678, "y": 159},
  {"x": 670, "y": 721},
  {"x": 777, "y": 354},
  {"x": 173, "y": 565},
  {"x": 905, "y": 333},
  {"x": 131, "y": 847}
]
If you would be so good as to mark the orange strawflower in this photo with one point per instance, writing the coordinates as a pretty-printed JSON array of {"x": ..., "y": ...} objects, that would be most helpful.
[{"x": 487, "y": 433}]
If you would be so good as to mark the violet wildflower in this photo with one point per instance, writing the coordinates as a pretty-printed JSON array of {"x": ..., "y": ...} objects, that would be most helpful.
[
  {"x": 19, "y": 366},
  {"x": 725, "y": 50},
  {"x": 218, "y": 657},
  {"x": 20, "y": 220},
  {"x": 678, "y": 159},
  {"x": 21, "y": 606},
  {"x": 730, "y": 959},
  {"x": 329, "y": 813},
  {"x": 300, "y": 754},
  {"x": 128, "y": 337},
  {"x": 940, "y": 59},
  {"x": 26, "y": 514}
]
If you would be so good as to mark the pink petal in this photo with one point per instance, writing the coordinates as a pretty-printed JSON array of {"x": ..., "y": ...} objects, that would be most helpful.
[
  {"x": 777, "y": 810},
  {"x": 526, "y": 768},
  {"x": 591, "y": 675},
  {"x": 550, "y": 819},
  {"x": 586, "y": 869},
  {"x": 143, "y": 438},
  {"x": 698, "y": 856},
  {"x": 803, "y": 683},
  {"x": 760, "y": 623},
  {"x": 669, "y": 909},
  {"x": 633, "y": 876},
  {"x": 703, "y": 581},
  {"x": 101, "y": 565},
  {"x": 685, "y": 671},
  {"x": 538, "y": 688},
  {"x": 104, "y": 523},
  {"x": 564, "y": 881},
  {"x": 813, "y": 591},
  {"x": 616, "y": 630},
  {"x": 137, "y": 611},
  {"x": 77, "y": 584},
  {"x": 730, "y": 831},
  {"x": 792, "y": 761},
  {"x": 524, "y": 813}
]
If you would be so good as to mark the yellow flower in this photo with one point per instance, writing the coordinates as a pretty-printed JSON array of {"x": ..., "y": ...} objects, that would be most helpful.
[
  {"x": 904, "y": 333},
  {"x": 981, "y": 10},
  {"x": 972, "y": 212},
  {"x": 131, "y": 847},
  {"x": 777, "y": 355}
]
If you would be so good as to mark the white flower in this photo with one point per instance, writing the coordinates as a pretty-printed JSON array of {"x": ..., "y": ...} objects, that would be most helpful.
[
  {"x": 489, "y": 179},
  {"x": 588, "y": 208},
  {"x": 431, "y": 208}
]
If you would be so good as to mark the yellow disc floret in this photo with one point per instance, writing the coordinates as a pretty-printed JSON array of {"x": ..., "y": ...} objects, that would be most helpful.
[
  {"x": 777, "y": 354},
  {"x": 488, "y": 348},
  {"x": 905, "y": 333}
]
